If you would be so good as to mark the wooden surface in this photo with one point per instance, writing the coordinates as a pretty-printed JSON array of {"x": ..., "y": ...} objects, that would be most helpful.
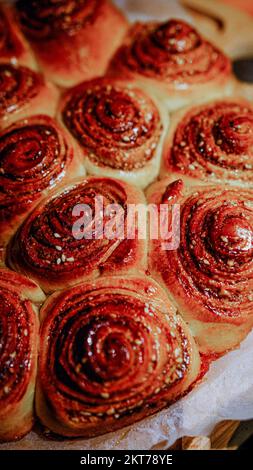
[{"x": 218, "y": 440}]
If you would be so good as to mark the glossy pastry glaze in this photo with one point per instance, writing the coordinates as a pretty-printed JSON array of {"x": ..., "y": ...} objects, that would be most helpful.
[
  {"x": 24, "y": 93},
  {"x": 174, "y": 52},
  {"x": 13, "y": 46},
  {"x": 210, "y": 275},
  {"x": 18, "y": 353},
  {"x": 211, "y": 142},
  {"x": 114, "y": 347},
  {"x": 118, "y": 126},
  {"x": 73, "y": 39},
  {"x": 47, "y": 19},
  {"x": 35, "y": 155},
  {"x": 177, "y": 60},
  {"x": 111, "y": 352},
  {"x": 46, "y": 249}
]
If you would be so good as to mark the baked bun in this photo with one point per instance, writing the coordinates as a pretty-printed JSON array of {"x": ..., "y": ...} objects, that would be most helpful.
[
  {"x": 119, "y": 128},
  {"x": 36, "y": 154},
  {"x": 19, "y": 338},
  {"x": 24, "y": 93},
  {"x": 62, "y": 243},
  {"x": 211, "y": 143},
  {"x": 13, "y": 46},
  {"x": 73, "y": 39},
  {"x": 175, "y": 61},
  {"x": 210, "y": 275},
  {"x": 111, "y": 353}
]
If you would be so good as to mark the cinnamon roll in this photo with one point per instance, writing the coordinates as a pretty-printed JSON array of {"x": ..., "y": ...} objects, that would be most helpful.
[
  {"x": 13, "y": 46},
  {"x": 79, "y": 233},
  {"x": 35, "y": 155},
  {"x": 212, "y": 142},
  {"x": 24, "y": 93},
  {"x": 111, "y": 353},
  {"x": 19, "y": 337},
  {"x": 175, "y": 61},
  {"x": 73, "y": 39},
  {"x": 119, "y": 128},
  {"x": 210, "y": 275}
]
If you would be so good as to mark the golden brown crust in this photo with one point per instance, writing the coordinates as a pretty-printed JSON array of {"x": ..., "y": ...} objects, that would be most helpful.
[
  {"x": 13, "y": 46},
  {"x": 120, "y": 129},
  {"x": 174, "y": 61},
  {"x": 36, "y": 155},
  {"x": 83, "y": 329},
  {"x": 114, "y": 347},
  {"x": 211, "y": 143},
  {"x": 24, "y": 93},
  {"x": 19, "y": 330},
  {"x": 210, "y": 275},
  {"x": 74, "y": 40},
  {"x": 59, "y": 248}
]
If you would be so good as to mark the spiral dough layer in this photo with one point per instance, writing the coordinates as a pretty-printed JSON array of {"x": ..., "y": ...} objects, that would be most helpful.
[
  {"x": 49, "y": 249},
  {"x": 173, "y": 52},
  {"x": 117, "y": 125},
  {"x": 73, "y": 39},
  {"x": 24, "y": 93},
  {"x": 45, "y": 19},
  {"x": 210, "y": 275},
  {"x": 34, "y": 156},
  {"x": 213, "y": 142},
  {"x": 111, "y": 353},
  {"x": 18, "y": 353},
  {"x": 18, "y": 85}
]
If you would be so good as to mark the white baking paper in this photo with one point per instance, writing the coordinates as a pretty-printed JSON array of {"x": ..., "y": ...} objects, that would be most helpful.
[{"x": 226, "y": 391}]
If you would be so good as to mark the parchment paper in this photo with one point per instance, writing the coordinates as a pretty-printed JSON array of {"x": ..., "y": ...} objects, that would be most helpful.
[{"x": 225, "y": 393}]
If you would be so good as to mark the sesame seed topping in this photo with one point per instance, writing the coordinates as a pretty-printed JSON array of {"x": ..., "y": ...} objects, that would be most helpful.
[
  {"x": 230, "y": 262},
  {"x": 191, "y": 167},
  {"x": 111, "y": 411},
  {"x": 177, "y": 352},
  {"x": 138, "y": 342},
  {"x": 248, "y": 204}
]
